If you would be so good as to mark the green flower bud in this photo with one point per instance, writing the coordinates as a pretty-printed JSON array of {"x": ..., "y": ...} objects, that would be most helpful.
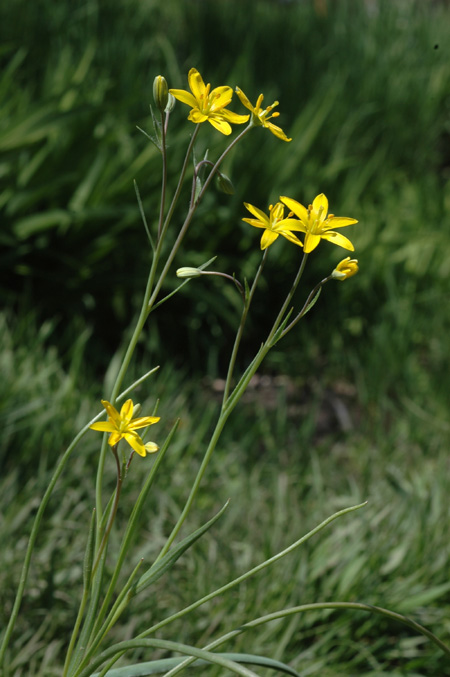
[
  {"x": 224, "y": 184},
  {"x": 160, "y": 92},
  {"x": 170, "y": 103},
  {"x": 189, "y": 272},
  {"x": 136, "y": 409}
]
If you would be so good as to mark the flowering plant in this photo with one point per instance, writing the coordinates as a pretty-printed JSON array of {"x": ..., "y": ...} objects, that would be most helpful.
[{"x": 102, "y": 602}]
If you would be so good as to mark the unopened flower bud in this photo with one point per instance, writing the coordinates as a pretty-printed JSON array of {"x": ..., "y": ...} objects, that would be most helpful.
[
  {"x": 160, "y": 92},
  {"x": 346, "y": 268},
  {"x": 136, "y": 409},
  {"x": 170, "y": 103},
  {"x": 189, "y": 272},
  {"x": 151, "y": 447},
  {"x": 224, "y": 184}
]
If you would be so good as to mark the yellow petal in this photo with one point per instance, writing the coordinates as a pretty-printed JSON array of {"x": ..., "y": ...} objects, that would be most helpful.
[
  {"x": 234, "y": 118},
  {"x": 257, "y": 212},
  {"x": 257, "y": 224},
  {"x": 289, "y": 236},
  {"x": 196, "y": 83},
  {"x": 135, "y": 443},
  {"x": 338, "y": 239},
  {"x": 311, "y": 242},
  {"x": 245, "y": 102},
  {"x": 291, "y": 224},
  {"x": 277, "y": 212},
  {"x": 184, "y": 97},
  {"x": 197, "y": 116},
  {"x": 114, "y": 438},
  {"x": 220, "y": 124},
  {"x": 126, "y": 412},
  {"x": 277, "y": 131},
  {"x": 220, "y": 97},
  {"x": 112, "y": 412},
  {"x": 103, "y": 427},
  {"x": 338, "y": 222},
  {"x": 268, "y": 238},
  {"x": 143, "y": 422},
  {"x": 318, "y": 202},
  {"x": 298, "y": 209}
]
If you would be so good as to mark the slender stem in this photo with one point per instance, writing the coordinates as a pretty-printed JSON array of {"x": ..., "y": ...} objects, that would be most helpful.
[
  {"x": 112, "y": 516},
  {"x": 189, "y": 217},
  {"x": 142, "y": 317},
  {"x": 217, "y": 273},
  {"x": 212, "y": 445},
  {"x": 245, "y": 379},
  {"x": 118, "y": 383},
  {"x": 305, "y": 306},
  {"x": 241, "y": 330},
  {"x": 164, "y": 174},
  {"x": 288, "y": 300},
  {"x": 180, "y": 183}
]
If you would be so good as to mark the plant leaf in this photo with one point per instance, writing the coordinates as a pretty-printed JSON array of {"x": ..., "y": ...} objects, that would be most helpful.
[
  {"x": 167, "y": 562},
  {"x": 166, "y": 664}
]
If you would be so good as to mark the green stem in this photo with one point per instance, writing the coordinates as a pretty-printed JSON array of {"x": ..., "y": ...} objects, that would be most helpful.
[
  {"x": 112, "y": 516},
  {"x": 245, "y": 379},
  {"x": 212, "y": 445},
  {"x": 305, "y": 306},
  {"x": 288, "y": 300},
  {"x": 164, "y": 174},
  {"x": 100, "y": 551},
  {"x": 240, "y": 331},
  {"x": 145, "y": 309}
]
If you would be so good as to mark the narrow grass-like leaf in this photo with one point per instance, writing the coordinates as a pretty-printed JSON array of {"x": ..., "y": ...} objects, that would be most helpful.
[
  {"x": 166, "y": 664},
  {"x": 209, "y": 657},
  {"x": 167, "y": 562},
  {"x": 143, "y": 217}
]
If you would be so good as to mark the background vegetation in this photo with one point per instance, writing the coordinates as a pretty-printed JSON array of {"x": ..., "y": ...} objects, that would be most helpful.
[{"x": 364, "y": 92}]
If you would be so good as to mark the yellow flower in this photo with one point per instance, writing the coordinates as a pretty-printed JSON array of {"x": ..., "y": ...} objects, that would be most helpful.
[
  {"x": 207, "y": 105},
  {"x": 315, "y": 224},
  {"x": 274, "y": 224},
  {"x": 346, "y": 268},
  {"x": 124, "y": 426},
  {"x": 260, "y": 116}
]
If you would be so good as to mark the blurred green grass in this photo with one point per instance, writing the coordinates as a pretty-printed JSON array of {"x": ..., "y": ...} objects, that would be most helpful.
[{"x": 364, "y": 92}]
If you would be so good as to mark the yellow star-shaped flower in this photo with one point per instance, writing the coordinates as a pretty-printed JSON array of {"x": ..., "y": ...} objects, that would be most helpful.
[
  {"x": 124, "y": 426},
  {"x": 316, "y": 225},
  {"x": 261, "y": 116},
  {"x": 208, "y": 106},
  {"x": 274, "y": 225}
]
